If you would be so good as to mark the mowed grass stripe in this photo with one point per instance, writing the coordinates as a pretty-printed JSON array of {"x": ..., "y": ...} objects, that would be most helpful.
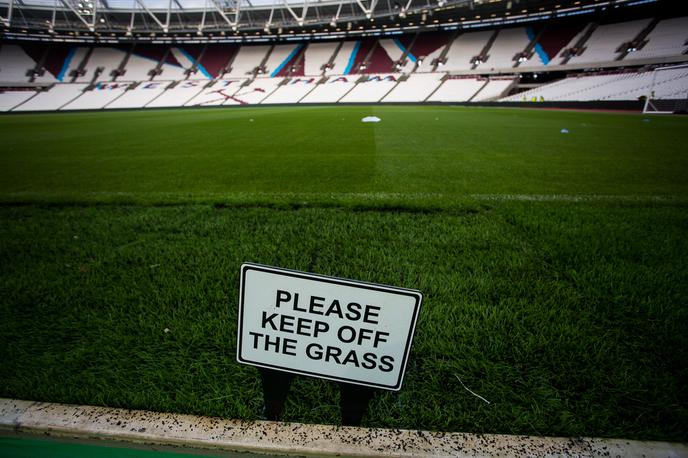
[{"x": 325, "y": 153}]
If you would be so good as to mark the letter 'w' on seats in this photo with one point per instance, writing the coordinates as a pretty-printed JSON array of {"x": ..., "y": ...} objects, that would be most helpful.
[{"x": 332, "y": 328}]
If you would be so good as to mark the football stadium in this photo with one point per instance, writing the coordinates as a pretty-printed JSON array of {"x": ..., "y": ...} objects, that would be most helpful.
[{"x": 170, "y": 168}]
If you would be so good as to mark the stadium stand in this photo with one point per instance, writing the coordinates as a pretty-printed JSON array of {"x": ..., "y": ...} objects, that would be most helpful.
[
  {"x": 494, "y": 89},
  {"x": 48, "y": 61},
  {"x": 170, "y": 68},
  {"x": 574, "y": 45},
  {"x": 55, "y": 98},
  {"x": 11, "y": 97},
  {"x": 331, "y": 90},
  {"x": 14, "y": 64},
  {"x": 187, "y": 57},
  {"x": 254, "y": 92},
  {"x": 416, "y": 88},
  {"x": 427, "y": 48},
  {"x": 604, "y": 56},
  {"x": 668, "y": 84},
  {"x": 293, "y": 65},
  {"x": 177, "y": 94},
  {"x": 342, "y": 62},
  {"x": 292, "y": 91},
  {"x": 139, "y": 95},
  {"x": 464, "y": 48},
  {"x": 603, "y": 45},
  {"x": 397, "y": 52},
  {"x": 216, "y": 58},
  {"x": 138, "y": 67},
  {"x": 457, "y": 89},
  {"x": 97, "y": 64},
  {"x": 551, "y": 40},
  {"x": 248, "y": 59},
  {"x": 668, "y": 38},
  {"x": 371, "y": 58},
  {"x": 217, "y": 93},
  {"x": 371, "y": 88},
  {"x": 97, "y": 96},
  {"x": 74, "y": 64},
  {"x": 507, "y": 45},
  {"x": 280, "y": 57},
  {"x": 316, "y": 56}
]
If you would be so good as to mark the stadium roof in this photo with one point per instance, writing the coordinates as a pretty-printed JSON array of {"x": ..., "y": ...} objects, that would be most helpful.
[{"x": 254, "y": 20}]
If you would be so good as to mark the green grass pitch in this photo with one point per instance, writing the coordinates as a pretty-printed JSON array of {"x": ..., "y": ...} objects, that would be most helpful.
[{"x": 554, "y": 266}]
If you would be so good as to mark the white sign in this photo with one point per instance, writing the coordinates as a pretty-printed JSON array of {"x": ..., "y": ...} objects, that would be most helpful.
[{"x": 326, "y": 327}]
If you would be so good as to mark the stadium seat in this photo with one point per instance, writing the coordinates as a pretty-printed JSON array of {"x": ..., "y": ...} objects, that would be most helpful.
[
  {"x": 371, "y": 88},
  {"x": 331, "y": 90},
  {"x": 416, "y": 88},
  {"x": 53, "y": 99}
]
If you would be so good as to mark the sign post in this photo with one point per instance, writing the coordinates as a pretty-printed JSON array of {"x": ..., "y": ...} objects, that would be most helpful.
[{"x": 347, "y": 331}]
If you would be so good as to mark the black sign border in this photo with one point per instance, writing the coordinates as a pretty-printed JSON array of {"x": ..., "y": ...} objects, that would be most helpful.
[{"x": 417, "y": 295}]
